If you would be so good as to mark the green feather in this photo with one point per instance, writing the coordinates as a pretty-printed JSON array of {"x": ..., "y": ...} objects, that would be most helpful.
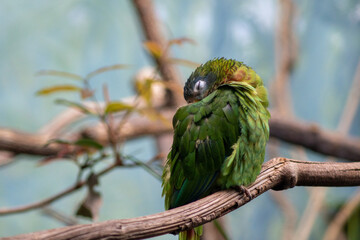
[{"x": 219, "y": 141}]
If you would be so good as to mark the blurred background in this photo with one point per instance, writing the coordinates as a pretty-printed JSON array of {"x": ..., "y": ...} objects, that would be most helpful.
[{"x": 81, "y": 36}]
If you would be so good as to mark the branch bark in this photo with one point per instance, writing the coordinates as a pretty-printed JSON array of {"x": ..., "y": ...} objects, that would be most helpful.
[
  {"x": 313, "y": 137},
  {"x": 308, "y": 135},
  {"x": 278, "y": 174}
]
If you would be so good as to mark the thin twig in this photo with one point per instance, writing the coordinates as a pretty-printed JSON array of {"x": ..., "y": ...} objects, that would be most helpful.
[
  {"x": 335, "y": 227},
  {"x": 317, "y": 197},
  {"x": 44, "y": 202},
  {"x": 67, "y": 220},
  {"x": 344, "y": 126}
]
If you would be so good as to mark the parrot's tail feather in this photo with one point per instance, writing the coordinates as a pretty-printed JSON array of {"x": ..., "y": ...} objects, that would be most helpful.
[{"x": 192, "y": 234}]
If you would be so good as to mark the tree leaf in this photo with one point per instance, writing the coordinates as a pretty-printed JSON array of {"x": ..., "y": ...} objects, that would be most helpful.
[
  {"x": 106, "y": 69},
  {"x": 87, "y": 142},
  {"x": 144, "y": 88},
  {"x": 184, "y": 62},
  {"x": 58, "y": 88},
  {"x": 153, "y": 48},
  {"x": 78, "y": 106},
  {"x": 116, "y": 106},
  {"x": 59, "y": 74}
]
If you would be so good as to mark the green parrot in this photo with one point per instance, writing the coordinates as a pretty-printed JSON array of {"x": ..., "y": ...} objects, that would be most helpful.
[{"x": 219, "y": 137}]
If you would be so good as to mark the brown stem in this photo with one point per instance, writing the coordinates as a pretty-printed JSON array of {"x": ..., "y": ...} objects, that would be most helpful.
[
  {"x": 278, "y": 173},
  {"x": 316, "y": 198},
  {"x": 335, "y": 227},
  {"x": 52, "y": 213},
  {"x": 151, "y": 28},
  {"x": 285, "y": 47}
]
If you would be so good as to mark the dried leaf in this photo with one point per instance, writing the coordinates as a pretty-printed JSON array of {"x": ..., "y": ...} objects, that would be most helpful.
[
  {"x": 87, "y": 142},
  {"x": 115, "y": 106},
  {"x": 74, "y": 105},
  {"x": 90, "y": 207},
  {"x": 86, "y": 93},
  {"x": 153, "y": 48},
  {"x": 180, "y": 41},
  {"x": 58, "y": 88},
  {"x": 59, "y": 74},
  {"x": 106, "y": 69},
  {"x": 184, "y": 62}
]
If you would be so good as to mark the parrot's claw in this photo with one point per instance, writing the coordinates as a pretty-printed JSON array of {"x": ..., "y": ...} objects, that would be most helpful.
[{"x": 244, "y": 190}]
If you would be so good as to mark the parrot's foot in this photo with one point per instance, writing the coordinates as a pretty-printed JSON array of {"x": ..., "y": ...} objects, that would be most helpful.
[{"x": 244, "y": 190}]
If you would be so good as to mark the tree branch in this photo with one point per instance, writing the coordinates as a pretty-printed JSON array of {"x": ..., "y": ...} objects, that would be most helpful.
[
  {"x": 278, "y": 173},
  {"x": 292, "y": 131},
  {"x": 313, "y": 137}
]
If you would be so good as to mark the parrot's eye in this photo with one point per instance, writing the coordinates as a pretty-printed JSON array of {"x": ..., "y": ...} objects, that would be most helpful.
[{"x": 199, "y": 85}]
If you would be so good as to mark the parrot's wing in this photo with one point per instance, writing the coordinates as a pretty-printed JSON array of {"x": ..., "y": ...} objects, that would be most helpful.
[
  {"x": 243, "y": 165},
  {"x": 204, "y": 133}
]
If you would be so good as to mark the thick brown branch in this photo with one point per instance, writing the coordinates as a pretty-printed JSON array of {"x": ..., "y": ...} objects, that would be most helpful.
[
  {"x": 279, "y": 173},
  {"x": 313, "y": 137},
  {"x": 305, "y": 134}
]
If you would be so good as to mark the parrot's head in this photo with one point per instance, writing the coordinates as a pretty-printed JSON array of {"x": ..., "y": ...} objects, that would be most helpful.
[
  {"x": 198, "y": 85},
  {"x": 207, "y": 78},
  {"x": 219, "y": 72}
]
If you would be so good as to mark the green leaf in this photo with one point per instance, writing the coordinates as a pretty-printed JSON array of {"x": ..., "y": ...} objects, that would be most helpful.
[
  {"x": 58, "y": 88},
  {"x": 115, "y": 106},
  {"x": 74, "y": 105},
  {"x": 59, "y": 74},
  {"x": 144, "y": 88},
  {"x": 106, "y": 69},
  {"x": 87, "y": 142}
]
